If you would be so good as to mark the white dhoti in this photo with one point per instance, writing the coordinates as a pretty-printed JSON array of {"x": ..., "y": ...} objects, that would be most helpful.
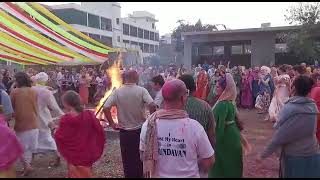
[
  {"x": 46, "y": 142},
  {"x": 29, "y": 141},
  {"x": 48, "y": 109}
]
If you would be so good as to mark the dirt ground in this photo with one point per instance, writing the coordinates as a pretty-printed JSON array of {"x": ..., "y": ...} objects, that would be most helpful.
[{"x": 256, "y": 130}]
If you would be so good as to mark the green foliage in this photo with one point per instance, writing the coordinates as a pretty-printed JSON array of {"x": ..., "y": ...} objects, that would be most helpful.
[
  {"x": 187, "y": 27},
  {"x": 304, "y": 14},
  {"x": 303, "y": 43}
]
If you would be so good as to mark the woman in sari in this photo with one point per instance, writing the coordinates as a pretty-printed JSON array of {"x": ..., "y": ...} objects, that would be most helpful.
[
  {"x": 246, "y": 89},
  {"x": 315, "y": 95},
  {"x": 263, "y": 99},
  {"x": 213, "y": 81},
  {"x": 101, "y": 88},
  {"x": 237, "y": 79},
  {"x": 202, "y": 85},
  {"x": 255, "y": 84},
  {"x": 84, "y": 88},
  {"x": 80, "y": 137},
  {"x": 228, "y": 156},
  {"x": 281, "y": 95}
]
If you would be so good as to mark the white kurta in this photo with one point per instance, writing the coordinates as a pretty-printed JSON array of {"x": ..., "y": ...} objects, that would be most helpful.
[{"x": 47, "y": 110}]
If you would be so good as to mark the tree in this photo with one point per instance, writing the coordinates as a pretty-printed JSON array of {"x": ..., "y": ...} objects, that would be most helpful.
[
  {"x": 302, "y": 42},
  {"x": 187, "y": 27}
]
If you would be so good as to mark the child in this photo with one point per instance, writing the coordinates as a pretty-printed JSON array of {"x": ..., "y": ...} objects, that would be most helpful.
[{"x": 80, "y": 137}]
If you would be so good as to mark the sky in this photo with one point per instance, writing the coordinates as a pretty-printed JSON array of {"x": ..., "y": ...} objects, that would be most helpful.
[{"x": 235, "y": 15}]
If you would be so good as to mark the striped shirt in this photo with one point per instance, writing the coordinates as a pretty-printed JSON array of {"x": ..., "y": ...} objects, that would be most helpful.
[{"x": 200, "y": 111}]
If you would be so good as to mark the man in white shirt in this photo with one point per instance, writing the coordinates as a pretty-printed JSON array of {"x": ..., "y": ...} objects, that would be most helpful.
[
  {"x": 48, "y": 111},
  {"x": 157, "y": 83},
  {"x": 172, "y": 144},
  {"x": 130, "y": 101}
]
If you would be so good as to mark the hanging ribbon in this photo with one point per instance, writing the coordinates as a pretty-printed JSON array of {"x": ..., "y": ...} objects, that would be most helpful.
[
  {"x": 59, "y": 30},
  {"x": 57, "y": 20}
]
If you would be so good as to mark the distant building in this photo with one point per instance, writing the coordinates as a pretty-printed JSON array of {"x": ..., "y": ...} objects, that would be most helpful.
[
  {"x": 248, "y": 47},
  {"x": 103, "y": 22},
  {"x": 166, "y": 39}
]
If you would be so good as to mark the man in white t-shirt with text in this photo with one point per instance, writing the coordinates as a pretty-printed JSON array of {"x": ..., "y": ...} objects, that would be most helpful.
[{"x": 172, "y": 144}]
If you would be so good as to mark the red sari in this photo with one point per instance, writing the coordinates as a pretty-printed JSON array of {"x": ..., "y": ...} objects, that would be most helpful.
[
  {"x": 84, "y": 89},
  {"x": 315, "y": 95},
  {"x": 80, "y": 140},
  {"x": 202, "y": 90}
]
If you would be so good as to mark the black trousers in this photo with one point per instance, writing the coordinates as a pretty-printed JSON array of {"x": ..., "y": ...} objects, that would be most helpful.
[{"x": 129, "y": 143}]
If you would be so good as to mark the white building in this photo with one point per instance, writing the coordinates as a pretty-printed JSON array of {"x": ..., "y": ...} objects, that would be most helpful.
[
  {"x": 166, "y": 39},
  {"x": 102, "y": 21}
]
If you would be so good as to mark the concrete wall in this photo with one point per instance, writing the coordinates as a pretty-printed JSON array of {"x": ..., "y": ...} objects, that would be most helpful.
[
  {"x": 262, "y": 50},
  {"x": 262, "y": 45},
  {"x": 187, "y": 55}
]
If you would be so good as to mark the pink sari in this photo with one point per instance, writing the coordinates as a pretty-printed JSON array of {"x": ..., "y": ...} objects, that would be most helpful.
[
  {"x": 10, "y": 150},
  {"x": 246, "y": 91}
]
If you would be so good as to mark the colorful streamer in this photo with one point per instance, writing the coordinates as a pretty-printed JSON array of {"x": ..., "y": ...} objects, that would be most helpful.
[
  {"x": 29, "y": 36},
  {"x": 36, "y": 25},
  {"x": 59, "y": 30},
  {"x": 21, "y": 42},
  {"x": 56, "y": 19},
  {"x": 21, "y": 46},
  {"x": 24, "y": 55}
]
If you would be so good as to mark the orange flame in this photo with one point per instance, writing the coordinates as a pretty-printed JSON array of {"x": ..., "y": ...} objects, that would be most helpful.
[{"x": 115, "y": 75}]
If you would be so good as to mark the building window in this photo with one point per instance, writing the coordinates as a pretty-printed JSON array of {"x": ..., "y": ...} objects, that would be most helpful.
[
  {"x": 195, "y": 51},
  {"x": 133, "y": 31},
  {"x": 152, "y": 50},
  {"x": 236, "y": 49},
  {"x": 140, "y": 33},
  {"x": 156, "y": 48},
  {"x": 71, "y": 16},
  {"x": 126, "y": 41},
  {"x": 146, "y": 48},
  {"x": 141, "y": 46},
  {"x": 152, "y": 25},
  {"x": 152, "y": 36},
  {"x": 217, "y": 50},
  {"x": 126, "y": 29},
  {"x": 118, "y": 21},
  {"x": 156, "y": 37},
  {"x": 118, "y": 38},
  {"x": 94, "y": 36},
  {"x": 106, "y": 24},
  {"x": 247, "y": 49},
  {"x": 93, "y": 21},
  {"x": 146, "y": 34},
  {"x": 134, "y": 43},
  {"x": 205, "y": 50},
  {"x": 281, "y": 48},
  {"x": 106, "y": 40}
]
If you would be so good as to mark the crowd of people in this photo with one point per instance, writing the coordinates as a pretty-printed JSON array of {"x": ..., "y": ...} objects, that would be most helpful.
[{"x": 192, "y": 128}]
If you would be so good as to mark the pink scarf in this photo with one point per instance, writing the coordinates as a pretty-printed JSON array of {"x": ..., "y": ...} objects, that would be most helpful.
[
  {"x": 10, "y": 148},
  {"x": 150, "y": 154}
]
